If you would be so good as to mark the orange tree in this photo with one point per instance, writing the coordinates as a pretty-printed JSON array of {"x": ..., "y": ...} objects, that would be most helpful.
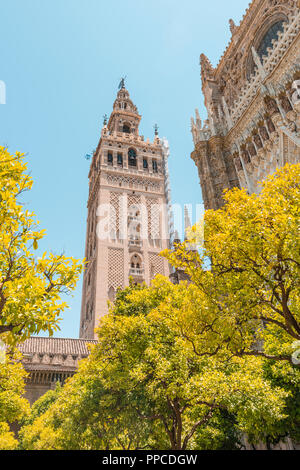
[
  {"x": 30, "y": 288},
  {"x": 143, "y": 386},
  {"x": 247, "y": 272}
]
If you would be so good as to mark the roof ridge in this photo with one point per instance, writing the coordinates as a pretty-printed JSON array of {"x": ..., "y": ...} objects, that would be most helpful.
[{"x": 65, "y": 339}]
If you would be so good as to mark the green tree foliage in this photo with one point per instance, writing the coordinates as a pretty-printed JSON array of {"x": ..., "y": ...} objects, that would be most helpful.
[
  {"x": 30, "y": 288},
  {"x": 286, "y": 377},
  {"x": 13, "y": 407},
  {"x": 250, "y": 298},
  {"x": 41, "y": 405},
  {"x": 143, "y": 386}
]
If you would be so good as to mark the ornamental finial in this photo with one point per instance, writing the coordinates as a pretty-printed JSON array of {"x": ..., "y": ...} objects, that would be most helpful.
[{"x": 232, "y": 26}]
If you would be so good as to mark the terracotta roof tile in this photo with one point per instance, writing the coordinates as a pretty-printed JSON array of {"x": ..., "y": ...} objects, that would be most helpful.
[{"x": 71, "y": 346}]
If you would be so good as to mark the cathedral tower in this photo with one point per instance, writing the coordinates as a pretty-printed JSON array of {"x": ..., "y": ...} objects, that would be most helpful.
[{"x": 128, "y": 221}]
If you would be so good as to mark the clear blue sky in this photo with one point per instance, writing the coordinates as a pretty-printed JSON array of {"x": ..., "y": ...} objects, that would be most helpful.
[{"x": 62, "y": 60}]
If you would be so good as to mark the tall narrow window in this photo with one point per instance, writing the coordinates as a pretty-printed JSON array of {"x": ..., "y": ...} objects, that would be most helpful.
[
  {"x": 145, "y": 163},
  {"x": 110, "y": 158},
  {"x": 154, "y": 166},
  {"x": 131, "y": 157},
  {"x": 120, "y": 159}
]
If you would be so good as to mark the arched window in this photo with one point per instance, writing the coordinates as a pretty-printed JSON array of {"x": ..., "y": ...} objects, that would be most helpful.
[
  {"x": 136, "y": 262},
  {"x": 263, "y": 41},
  {"x": 131, "y": 157},
  {"x": 271, "y": 34},
  {"x": 126, "y": 128},
  {"x": 112, "y": 294}
]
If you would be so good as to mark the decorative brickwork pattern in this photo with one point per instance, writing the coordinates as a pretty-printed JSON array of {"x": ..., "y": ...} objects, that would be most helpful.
[
  {"x": 115, "y": 268},
  {"x": 156, "y": 264},
  {"x": 137, "y": 183},
  {"x": 153, "y": 212},
  {"x": 114, "y": 215}
]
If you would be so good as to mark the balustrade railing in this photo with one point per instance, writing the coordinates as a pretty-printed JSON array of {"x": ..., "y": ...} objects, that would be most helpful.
[{"x": 136, "y": 272}]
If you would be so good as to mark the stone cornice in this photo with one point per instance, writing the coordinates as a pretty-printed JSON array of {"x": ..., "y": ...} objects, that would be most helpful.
[{"x": 238, "y": 36}]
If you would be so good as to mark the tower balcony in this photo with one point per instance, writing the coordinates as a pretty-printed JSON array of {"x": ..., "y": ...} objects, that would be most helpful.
[
  {"x": 135, "y": 245},
  {"x": 134, "y": 218},
  {"x": 136, "y": 272}
]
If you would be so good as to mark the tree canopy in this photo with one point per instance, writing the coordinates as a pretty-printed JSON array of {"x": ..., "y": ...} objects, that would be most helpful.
[
  {"x": 13, "y": 407},
  {"x": 143, "y": 386},
  {"x": 30, "y": 287},
  {"x": 201, "y": 364},
  {"x": 251, "y": 287}
]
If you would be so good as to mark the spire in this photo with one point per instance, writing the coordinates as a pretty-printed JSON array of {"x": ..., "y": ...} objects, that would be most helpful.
[
  {"x": 187, "y": 221},
  {"x": 232, "y": 26},
  {"x": 198, "y": 119},
  {"x": 207, "y": 70},
  {"x": 176, "y": 238}
]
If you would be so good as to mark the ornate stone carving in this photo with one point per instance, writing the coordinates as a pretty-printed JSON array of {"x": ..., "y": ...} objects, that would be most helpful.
[{"x": 249, "y": 101}]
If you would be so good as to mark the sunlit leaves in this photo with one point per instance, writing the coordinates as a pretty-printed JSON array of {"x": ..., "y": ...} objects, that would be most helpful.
[
  {"x": 145, "y": 385},
  {"x": 30, "y": 288},
  {"x": 13, "y": 407},
  {"x": 251, "y": 286}
]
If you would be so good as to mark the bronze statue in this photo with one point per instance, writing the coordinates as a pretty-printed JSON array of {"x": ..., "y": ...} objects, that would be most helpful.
[{"x": 122, "y": 83}]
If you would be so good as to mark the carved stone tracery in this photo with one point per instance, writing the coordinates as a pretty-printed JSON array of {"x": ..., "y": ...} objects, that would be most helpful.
[{"x": 253, "y": 113}]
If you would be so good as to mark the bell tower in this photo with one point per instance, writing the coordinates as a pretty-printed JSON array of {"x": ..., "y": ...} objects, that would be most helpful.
[{"x": 128, "y": 221}]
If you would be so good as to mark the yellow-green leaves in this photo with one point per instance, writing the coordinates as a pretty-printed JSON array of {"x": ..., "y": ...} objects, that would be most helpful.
[
  {"x": 147, "y": 384},
  {"x": 252, "y": 286},
  {"x": 30, "y": 288},
  {"x": 13, "y": 407}
]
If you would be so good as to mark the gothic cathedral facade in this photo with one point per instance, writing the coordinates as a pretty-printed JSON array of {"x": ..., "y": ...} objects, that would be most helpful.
[
  {"x": 128, "y": 221},
  {"x": 252, "y": 99}
]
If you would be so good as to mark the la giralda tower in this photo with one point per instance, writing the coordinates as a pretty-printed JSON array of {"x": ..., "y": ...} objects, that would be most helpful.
[{"x": 128, "y": 221}]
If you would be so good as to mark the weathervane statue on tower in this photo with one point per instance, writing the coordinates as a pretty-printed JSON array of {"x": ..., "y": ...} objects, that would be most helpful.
[{"x": 122, "y": 83}]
